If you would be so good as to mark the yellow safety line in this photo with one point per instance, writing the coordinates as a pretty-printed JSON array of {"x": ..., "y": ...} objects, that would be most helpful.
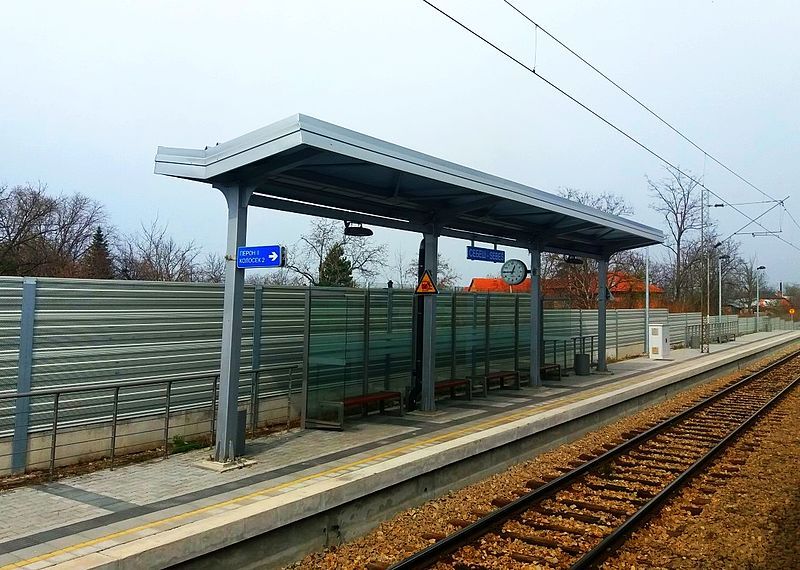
[{"x": 397, "y": 451}]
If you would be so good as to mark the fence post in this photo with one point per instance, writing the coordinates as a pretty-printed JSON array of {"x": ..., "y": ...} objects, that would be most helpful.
[
  {"x": 616, "y": 333},
  {"x": 214, "y": 383},
  {"x": 473, "y": 363},
  {"x": 114, "y": 414},
  {"x": 453, "y": 335},
  {"x": 487, "y": 331},
  {"x": 22, "y": 406},
  {"x": 289, "y": 400},
  {"x": 166, "y": 418},
  {"x": 365, "y": 343},
  {"x": 306, "y": 357},
  {"x": 53, "y": 437},
  {"x": 256, "y": 358},
  {"x": 516, "y": 334}
]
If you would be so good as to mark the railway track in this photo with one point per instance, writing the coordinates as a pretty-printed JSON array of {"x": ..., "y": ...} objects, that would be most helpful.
[{"x": 577, "y": 519}]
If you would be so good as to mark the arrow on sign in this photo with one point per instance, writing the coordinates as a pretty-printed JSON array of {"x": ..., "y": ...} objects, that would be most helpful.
[{"x": 273, "y": 256}]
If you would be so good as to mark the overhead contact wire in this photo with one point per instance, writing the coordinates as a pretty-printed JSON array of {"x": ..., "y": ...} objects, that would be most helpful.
[{"x": 601, "y": 118}]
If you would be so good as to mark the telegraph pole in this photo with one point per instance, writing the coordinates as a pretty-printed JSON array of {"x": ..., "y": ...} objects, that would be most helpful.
[{"x": 704, "y": 332}]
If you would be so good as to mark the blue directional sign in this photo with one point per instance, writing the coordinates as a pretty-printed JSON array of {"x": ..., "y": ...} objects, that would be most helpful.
[
  {"x": 259, "y": 256},
  {"x": 486, "y": 254}
]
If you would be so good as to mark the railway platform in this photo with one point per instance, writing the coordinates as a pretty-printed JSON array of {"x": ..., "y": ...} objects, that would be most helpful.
[{"x": 309, "y": 489}]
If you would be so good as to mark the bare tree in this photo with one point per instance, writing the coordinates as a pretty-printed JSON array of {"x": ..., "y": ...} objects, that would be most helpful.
[
  {"x": 397, "y": 270},
  {"x": 306, "y": 258},
  {"x": 678, "y": 199},
  {"x": 446, "y": 275},
  {"x": 580, "y": 280},
  {"x": 75, "y": 220},
  {"x": 42, "y": 234},
  {"x": 212, "y": 270},
  {"x": 749, "y": 281},
  {"x": 276, "y": 277},
  {"x": 25, "y": 215},
  {"x": 152, "y": 255}
]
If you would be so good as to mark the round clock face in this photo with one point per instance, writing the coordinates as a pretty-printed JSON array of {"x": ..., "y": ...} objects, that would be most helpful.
[{"x": 514, "y": 272}]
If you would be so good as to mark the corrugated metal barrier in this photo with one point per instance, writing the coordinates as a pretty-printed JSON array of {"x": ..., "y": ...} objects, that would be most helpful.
[{"x": 89, "y": 332}]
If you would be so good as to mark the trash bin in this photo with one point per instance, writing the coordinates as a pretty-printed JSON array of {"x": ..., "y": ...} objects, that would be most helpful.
[
  {"x": 694, "y": 341},
  {"x": 581, "y": 364},
  {"x": 241, "y": 429}
]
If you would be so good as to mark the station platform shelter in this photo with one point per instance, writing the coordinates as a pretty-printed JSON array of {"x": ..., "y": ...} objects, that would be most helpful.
[
  {"x": 304, "y": 490},
  {"x": 307, "y": 166}
]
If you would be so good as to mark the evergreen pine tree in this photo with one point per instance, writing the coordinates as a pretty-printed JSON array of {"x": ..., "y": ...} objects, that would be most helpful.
[
  {"x": 336, "y": 270},
  {"x": 96, "y": 262}
]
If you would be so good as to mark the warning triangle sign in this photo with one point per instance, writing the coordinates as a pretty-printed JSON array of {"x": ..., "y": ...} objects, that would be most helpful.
[{"x": 426, "y": 285}]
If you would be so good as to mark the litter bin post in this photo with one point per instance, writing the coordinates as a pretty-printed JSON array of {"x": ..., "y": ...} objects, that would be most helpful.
[
  {"x": 241, "y": 420},
  {"x": 581, "y": 364}
]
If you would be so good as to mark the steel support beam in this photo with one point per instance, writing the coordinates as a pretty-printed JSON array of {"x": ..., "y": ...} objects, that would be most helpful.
[
  {"x": 536, "y": 315},
  {"x": 22, "y": 406},
  {"x": 428, "y": 403},
  {"x": 237, "y": 198},
  {"x": 602, "y": 299}
]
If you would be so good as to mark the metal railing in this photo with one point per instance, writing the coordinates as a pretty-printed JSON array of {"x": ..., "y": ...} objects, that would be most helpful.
[
  {"x": 578, "y": 344},
  {"x": 179, "y": 394},
  {"x": 717, "y": 332}
]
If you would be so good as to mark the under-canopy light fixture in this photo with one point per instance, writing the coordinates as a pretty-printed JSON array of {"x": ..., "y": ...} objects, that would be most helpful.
[
  {"x": 573, "y": 259},
  {"x": 356, "y": 230}
]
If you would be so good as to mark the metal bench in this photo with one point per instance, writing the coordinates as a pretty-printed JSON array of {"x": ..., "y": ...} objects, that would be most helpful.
[
  {"x": 363, "y": 401},
  {"x": 453, "y": 384},
  {"x": 546, "y": 370},
  {"x": 499, "y": 377}
]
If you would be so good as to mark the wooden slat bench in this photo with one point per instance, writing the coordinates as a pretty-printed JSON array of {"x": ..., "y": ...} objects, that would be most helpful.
[
  {"x": 546, "y": 370},
  {"x": 453, "y": 384},
  {"x": 364, "y": 400},
  {"x": 500, "y": 377}
]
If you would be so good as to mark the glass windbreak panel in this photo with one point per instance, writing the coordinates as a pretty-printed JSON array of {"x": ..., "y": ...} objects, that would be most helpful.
[
  {"x": 355, "y": 356},
  {"x": 444, "y": 340},
  {"x": 470, "y": 337},
  {"x": 561, "y": 330},
  {"x": 390, "y": 347},
  {"x": 501, "y": 332},
  {"x": 524, "y": 333},
  {"x": 335, "y": 340}
]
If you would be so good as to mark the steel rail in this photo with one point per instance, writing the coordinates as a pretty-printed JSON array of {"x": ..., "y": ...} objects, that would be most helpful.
[
  {"x": 605, "y": 547},
  {"x": 435, "y": 552}
]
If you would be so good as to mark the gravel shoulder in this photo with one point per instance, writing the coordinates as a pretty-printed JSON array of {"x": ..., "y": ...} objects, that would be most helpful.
[
  {"x": 415, "y": 528},
  {"x": 751, "y": 520}
]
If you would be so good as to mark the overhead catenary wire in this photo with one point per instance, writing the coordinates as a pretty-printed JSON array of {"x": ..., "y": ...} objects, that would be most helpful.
[
  {"x": 740, "y": 230},
  {"x": 596, "y": 114},
  {"x": 639, "y": 102},
  {"x": 647, "y": 108}
]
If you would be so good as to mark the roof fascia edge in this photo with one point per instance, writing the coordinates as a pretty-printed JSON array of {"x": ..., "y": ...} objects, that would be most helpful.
[{"x": 430, "y": 167}]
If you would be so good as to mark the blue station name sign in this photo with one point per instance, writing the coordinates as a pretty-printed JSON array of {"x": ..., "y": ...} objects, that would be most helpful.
[
  {"x": 486, "y": 254},
  {"x": 255, "y": 256}
]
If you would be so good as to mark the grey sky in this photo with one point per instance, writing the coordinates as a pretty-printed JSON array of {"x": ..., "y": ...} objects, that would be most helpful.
[{"x": 89, "y": 89}]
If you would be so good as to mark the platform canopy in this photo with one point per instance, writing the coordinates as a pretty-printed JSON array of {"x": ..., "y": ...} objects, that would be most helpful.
[{"x": 308, "y": 166}]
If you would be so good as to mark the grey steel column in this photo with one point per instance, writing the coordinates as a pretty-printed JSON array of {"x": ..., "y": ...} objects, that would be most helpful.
[
  {"x": 602, "y": 282},
  {"x": 22, "y": 406},
  {"x": 536, "y": 357},
  {"x": 647, "y": 302},
  {"x": 429, "y": 327},
  {"x": 237, "y": 198}
]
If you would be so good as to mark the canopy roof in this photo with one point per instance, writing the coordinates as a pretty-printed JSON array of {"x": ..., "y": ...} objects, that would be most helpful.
[{"x": 308, "y": 166}]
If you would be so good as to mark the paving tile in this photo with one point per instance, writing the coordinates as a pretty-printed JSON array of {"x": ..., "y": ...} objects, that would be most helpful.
[
  {"x": 9, "y": 558},
  {"x": 38, "y": 565}
]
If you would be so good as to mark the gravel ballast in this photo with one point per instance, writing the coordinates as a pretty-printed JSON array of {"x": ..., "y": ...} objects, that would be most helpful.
[{"x": 416, "y": 528}]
